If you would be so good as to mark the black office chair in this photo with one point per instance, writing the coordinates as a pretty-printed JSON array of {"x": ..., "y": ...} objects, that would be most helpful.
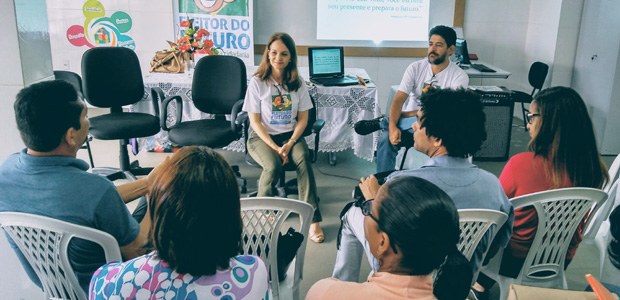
[
  {"x": 218, "y": 88},
  {"x": 282, "y": 187},
  {"x": 112, "y": 78},
  {"x": 76, "y": 81},
  {"x": 536, "y": 77}
]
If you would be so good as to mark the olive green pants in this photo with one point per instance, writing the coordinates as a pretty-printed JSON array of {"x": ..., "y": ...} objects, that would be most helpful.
[{"x": 272, "y": 166}]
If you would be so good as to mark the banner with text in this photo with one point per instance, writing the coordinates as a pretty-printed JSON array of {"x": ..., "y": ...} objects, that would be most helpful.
[{"x": 229, "y": 23}]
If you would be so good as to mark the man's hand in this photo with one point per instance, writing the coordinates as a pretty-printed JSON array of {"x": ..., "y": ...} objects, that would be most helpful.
[
  {"x": 369, "y": 187},
  {"x": 394, "y": 136}
]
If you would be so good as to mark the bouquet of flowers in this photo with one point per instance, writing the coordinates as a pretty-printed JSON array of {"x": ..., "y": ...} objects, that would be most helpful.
[{"x": 194, "y": 40}]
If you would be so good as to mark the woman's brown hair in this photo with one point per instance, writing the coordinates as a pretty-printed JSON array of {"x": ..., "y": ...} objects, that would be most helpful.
[
  {"x": 290, "y": 78},
  {"x": 195, "y": 212},
  {"x": 566, "y": 139}
]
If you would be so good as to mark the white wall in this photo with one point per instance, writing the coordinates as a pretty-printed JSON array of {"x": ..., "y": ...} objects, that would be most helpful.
[
  {"x": 597, "y": 70},
  {"x": 11, "y": 80},
  {"x": 14, "y": 283}
]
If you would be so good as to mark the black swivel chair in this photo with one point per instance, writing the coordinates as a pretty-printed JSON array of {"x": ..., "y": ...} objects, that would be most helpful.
[
  {"x": 536, "y": 77},
  {"x": 112, "y": 78},
  {"x": 218, "y": 88},
  {"x": 283, "y": 187},
  {"x": 76, "y": 81}
]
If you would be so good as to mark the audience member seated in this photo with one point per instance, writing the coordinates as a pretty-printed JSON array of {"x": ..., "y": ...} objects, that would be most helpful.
[
  {"x": 437, "y": 72},
  {"x": 277, "y": 102},
  {"x": 196, "y": 231},
  {"x": 46, "y": 178},
  {"x": 450, "y": 128},
  {"x": 563, "y": 153},
  {"x": 412, "y": 228}
]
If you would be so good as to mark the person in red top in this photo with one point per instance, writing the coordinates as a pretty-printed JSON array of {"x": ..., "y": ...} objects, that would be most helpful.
[{"x": 563, "y": 153}]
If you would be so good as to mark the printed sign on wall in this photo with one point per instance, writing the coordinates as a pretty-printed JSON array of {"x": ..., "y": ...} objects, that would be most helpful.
[
  {"x": 99, "y": 30},
  {"x": 229, "y": 23}
]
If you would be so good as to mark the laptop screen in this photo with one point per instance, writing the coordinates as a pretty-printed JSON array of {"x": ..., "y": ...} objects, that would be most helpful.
[{"x": 326, "y": 62}]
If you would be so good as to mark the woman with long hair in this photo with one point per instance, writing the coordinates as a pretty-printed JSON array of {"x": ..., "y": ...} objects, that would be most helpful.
[
  {"x": 562, "y": 153},
  {"x": 196, "y": 230},
  {"x": 412, "y": 228},
  {"x": 277, "y": 102}
]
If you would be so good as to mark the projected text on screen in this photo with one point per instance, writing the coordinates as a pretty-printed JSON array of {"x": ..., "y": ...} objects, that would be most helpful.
[
  {"x": 374, "y": 20},
  {"x": 326, "y": 61}
]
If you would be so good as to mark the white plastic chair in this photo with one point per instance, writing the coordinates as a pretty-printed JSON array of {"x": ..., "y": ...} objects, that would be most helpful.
[
  {"x": 559, "y": 213},
  {"x": 474, "y": 224},
  {"x": 265, "y": 216},
  {"x": 43, "y": 241},
  {"x": 613, "y": 173},
  {"x": 595, "y": 232}
]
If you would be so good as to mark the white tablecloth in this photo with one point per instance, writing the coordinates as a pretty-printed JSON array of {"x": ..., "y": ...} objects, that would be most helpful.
[{"x": 340, "y": 107}]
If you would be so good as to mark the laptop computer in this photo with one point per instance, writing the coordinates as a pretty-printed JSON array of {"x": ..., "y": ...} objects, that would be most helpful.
[
  {"x": 327, "y": 67},
  {"x": 460, "y": 52}
]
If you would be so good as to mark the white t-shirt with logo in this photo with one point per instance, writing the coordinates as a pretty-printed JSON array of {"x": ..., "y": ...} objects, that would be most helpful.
[
  {"x": 278, "y": 107},
  {"x": 419, "y": 77}
]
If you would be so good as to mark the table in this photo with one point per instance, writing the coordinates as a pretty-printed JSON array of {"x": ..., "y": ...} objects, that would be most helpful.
[
  {"x": 473, "y": 73},
  {"x": 340, "y": 107}
]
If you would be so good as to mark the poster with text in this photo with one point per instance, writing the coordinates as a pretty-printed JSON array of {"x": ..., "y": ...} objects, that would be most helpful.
[{"x": 229, "y": 23}]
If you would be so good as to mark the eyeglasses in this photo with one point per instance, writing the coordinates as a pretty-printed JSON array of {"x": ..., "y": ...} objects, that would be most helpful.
[
  {"x": 366, "y": 209},
  {"x": 530, "y": 116}
]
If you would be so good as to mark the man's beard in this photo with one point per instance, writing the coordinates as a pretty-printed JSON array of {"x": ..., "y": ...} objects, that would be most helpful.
[{"x": 438, "y": 59}]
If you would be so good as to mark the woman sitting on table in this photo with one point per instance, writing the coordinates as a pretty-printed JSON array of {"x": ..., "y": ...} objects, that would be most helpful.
[
  {"x": 277, "y": 102},
  {"x": 563, "y": 153},
  {"x": 412, "y": 228},
  {"x": 196, "y": 231}
]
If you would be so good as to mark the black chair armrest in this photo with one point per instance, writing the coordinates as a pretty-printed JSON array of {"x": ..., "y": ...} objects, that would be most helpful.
[
  {"x": 318, "y": 126},
  {"x": 242, "y": 117},
  {"x": 236, "y": 109},
  {"x": 164, "y": 112},
  {"x": 316, "y": 129},
  {"x": 157, "y": 95}
]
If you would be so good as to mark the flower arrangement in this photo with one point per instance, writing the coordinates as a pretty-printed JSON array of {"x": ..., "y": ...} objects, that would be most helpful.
[{"x": 194, "y": 40}]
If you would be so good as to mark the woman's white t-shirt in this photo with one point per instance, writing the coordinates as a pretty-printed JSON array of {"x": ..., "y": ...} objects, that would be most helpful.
[{"x": 277, "y": 106}]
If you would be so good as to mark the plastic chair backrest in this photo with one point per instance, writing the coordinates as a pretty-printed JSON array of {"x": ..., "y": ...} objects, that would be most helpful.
[
  {"x": 111, "y": 77},
  {"x": 613, "y": 173},
  {"x": 43, "y": 241},
  {"x": 219, "y": 81},
  {"x": 537, "y": 75},
  {"x": 263, "y": 218},
  {"x": 559, "y": 213},
  {"x": 601, "y": 214},
  {"x": 475, "y": 224}
]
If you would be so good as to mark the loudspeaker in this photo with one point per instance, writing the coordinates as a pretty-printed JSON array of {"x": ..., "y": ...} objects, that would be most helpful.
[{"x": 498, "y": 108}]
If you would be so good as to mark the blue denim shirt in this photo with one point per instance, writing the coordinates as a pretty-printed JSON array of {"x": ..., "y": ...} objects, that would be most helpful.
[{"x": 469, "y": 187}]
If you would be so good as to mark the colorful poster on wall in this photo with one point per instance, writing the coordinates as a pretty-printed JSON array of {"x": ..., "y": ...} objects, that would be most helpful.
[
  {"x": 229, "y": 23},
  {"x": 101, "y": 29}
]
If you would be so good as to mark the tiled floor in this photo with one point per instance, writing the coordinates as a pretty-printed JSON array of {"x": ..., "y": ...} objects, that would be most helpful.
[{"x": 334, "y": 185}]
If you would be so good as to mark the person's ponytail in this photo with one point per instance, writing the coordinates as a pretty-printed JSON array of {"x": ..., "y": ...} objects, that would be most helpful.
[{"x": 454, "y": 277}]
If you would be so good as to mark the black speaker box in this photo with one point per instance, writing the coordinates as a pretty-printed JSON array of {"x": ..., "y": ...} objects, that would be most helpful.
[{"x": 498, "y": 108}]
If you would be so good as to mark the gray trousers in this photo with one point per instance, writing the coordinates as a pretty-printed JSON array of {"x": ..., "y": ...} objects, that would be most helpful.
[
  {"x": 353, "y": 244},
  {"x": 271, "y": 163}
]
